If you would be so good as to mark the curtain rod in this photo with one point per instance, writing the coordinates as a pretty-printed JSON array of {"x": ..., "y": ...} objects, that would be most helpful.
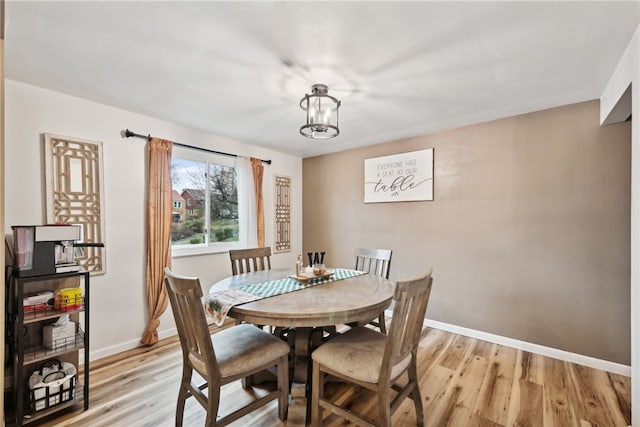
[{"x": 129, "y": 134}]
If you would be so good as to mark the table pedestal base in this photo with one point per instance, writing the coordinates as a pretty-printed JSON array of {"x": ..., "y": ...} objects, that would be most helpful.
[{"x": 302, "y": 340}]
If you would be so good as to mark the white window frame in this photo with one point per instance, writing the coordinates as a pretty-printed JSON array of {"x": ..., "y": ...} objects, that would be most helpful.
[{"x": 178, "y": 251}]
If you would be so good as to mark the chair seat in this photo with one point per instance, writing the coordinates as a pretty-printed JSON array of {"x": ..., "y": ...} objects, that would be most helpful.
[
  {"x": 256, "y": 346},
  {"x": 358, "y": 354}
]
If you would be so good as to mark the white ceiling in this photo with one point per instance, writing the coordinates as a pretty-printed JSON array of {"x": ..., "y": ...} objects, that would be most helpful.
[{"x": 239, "y": 69}]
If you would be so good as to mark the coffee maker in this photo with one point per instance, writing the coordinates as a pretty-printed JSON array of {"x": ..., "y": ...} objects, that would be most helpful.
[{"x": 46, "y": 249}]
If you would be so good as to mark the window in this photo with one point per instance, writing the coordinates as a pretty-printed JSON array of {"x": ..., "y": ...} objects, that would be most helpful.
[
  {"x": 209, "y": 186},
  {"x": 177, "y": 205}
]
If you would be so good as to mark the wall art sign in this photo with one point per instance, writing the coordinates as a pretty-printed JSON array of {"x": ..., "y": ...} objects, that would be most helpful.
[
  {"x": 75, "y": 193},
  {"x": 282, "y": 214},
  {"x": 401, "y": 177}
]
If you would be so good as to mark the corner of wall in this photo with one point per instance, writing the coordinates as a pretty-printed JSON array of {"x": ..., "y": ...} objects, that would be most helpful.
[{"x": 615, "y": 101}]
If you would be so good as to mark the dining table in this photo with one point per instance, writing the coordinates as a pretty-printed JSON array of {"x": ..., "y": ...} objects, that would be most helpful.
[{"x": 305, "y": 313}]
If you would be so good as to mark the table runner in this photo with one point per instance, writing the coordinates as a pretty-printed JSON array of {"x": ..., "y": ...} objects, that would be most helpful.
[{"x": 217, "y": 304}]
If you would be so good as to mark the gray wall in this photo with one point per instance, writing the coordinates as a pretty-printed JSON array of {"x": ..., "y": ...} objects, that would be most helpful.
[{"x": 528, "y": 234}]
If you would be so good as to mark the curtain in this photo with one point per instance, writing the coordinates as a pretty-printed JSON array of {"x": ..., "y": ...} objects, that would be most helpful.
[
  {"x": 247, "y": 202},
  {"x": 159, "y": 206},
  {"x": 258, "y": 172}
]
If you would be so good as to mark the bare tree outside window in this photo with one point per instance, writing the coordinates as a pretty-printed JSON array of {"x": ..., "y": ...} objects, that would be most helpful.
[
  {"x": 205, "y": 203},
  {"x": 223, "y": 203}
]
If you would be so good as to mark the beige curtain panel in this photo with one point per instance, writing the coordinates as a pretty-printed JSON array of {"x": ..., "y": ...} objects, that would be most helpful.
[
  {"x": 158, "y": 233},
  {"x": 258, "y": 172}
]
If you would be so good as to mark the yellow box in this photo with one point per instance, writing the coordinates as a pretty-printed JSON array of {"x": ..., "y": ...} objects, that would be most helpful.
[{"x": 68, "y": 299}]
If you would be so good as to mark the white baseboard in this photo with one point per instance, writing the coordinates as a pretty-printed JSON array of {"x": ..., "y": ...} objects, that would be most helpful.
[
  {"x": 567, "y": 356},
  {"x": 131, "y": 344},
  {"x": 127, "y": 345}
]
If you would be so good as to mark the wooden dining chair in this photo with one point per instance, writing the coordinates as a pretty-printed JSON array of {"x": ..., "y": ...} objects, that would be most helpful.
[
  {"x": 367, "y": 358},
  {"x": 248, "y": 260},
  {"x": 223, "y": 357},
  {"x": 377, "y": 262}
]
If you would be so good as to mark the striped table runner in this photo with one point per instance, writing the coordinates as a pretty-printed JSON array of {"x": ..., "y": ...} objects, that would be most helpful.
[{"x": 217, "y": 304}]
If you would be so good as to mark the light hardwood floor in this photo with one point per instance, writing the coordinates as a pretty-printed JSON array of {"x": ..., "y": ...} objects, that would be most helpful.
[{"x": 464, "y": 382}]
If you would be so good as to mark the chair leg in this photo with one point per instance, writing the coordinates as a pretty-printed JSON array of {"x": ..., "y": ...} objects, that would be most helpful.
[
  {"x": 382, "y": 323},
  {"x": 415, "y": 394},
  {"x": 283, "y": 387},
  {"x": 213, "y": 403},
  {"x": 247, "y": 382},
  {"x": 384, "y": 408},
  {"x": 182, "y": 395},
  {"x": 317, "y": 392}
]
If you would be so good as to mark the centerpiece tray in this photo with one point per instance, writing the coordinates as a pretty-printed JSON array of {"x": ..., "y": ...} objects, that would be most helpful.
[{"x": 305, "y": 279}]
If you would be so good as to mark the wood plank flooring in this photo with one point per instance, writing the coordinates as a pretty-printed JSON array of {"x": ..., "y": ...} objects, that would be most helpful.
[{"x": 464, "y": 382}]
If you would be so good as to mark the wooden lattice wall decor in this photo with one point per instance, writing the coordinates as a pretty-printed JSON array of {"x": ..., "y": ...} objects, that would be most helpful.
[
  {"x": 283, "y": 214},
  {"x": 75, "y": 194}
]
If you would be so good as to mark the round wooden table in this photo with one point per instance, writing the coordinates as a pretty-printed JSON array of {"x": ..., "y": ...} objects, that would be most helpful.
[
  {"x": 355, "y": 299},
  {"x": 301, "y": 317}
]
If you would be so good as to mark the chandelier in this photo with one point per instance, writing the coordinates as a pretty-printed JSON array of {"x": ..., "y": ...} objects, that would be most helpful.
[{"x": 322, "y": 113}]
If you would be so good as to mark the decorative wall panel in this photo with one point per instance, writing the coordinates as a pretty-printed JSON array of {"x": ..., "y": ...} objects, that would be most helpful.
[
  {"x": 283, "y": 214},
  {"x": 75, "y": 194}
]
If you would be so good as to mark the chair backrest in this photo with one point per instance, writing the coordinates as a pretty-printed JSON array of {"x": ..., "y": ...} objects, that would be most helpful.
[
  {"x": 375, "y": 261},
  {"x": 185, "y": 296},
  {"x": 248, "y": 260},
  {"x": 410, "y": 305}
]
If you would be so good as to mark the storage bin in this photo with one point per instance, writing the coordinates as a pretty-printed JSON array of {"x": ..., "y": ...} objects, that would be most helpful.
[
  {"x": 59, "y": 336},
  {"x": 52, "y": 385},
  {"x": 68, "y": 299},
  {"x": 37, "y": 302}
]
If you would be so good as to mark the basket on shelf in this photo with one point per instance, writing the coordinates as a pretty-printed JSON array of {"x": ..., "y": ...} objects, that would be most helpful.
[
  {"x": 68, "y": 299},
  {"x": 37, "y": 302},
  {"x": 53, "y": 384},
  {"x": 59, "y": 335}
]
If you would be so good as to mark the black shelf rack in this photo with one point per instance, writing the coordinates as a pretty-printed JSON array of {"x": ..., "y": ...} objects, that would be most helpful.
[{"x": 28, "y": 357}]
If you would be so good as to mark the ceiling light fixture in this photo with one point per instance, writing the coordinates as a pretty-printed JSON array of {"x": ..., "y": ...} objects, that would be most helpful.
[{"x": 322, "y": 113}]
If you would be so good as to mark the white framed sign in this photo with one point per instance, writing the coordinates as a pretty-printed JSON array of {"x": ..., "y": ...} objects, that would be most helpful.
[{"x": 401, "y": 177}]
